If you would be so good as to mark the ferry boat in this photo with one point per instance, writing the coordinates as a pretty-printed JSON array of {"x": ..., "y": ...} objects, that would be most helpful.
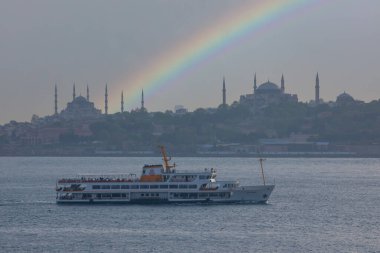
[{"x": 160, "y": 183}]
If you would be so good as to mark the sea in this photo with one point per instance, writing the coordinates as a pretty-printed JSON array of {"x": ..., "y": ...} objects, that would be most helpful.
[{"x": 318, "y": 205}]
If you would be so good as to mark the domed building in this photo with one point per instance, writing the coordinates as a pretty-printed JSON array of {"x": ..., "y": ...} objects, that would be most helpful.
[
  {"x": 345, "y": 99},
  {"x": 79, "y": 108},
  {"x": 268, "y": 88},
  {"x": 268, "y": 93}
]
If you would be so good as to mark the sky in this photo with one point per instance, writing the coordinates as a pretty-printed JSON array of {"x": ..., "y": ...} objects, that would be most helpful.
[{"x": 121, "y": 43}]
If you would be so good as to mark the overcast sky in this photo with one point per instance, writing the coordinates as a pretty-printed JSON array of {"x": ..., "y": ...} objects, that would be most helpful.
[{"x": 96, "y": 41}]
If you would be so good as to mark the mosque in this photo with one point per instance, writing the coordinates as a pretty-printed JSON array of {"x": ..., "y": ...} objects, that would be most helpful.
[
  {"x": 346, "y": 99},
  {"x": 81, "y": 108},
  {"x": 268, "y": 93}
]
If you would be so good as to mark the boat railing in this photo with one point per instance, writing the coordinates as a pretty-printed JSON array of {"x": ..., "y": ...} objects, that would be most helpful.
[
  {"x": 209, "y": 188},
  {"x": 228, "y": 181},
  {"x": 182, "y": 180},
  {"x": 192, "y": 172},
  {"x": 100, "y": 179}
]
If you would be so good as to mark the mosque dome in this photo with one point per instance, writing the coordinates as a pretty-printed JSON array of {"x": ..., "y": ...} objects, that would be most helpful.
[
  {"x": 80, "y": 99},
  {"x": 268, "y": 87},
  {"x": 80, "y": 108},
  {"x": 345, "y": 98}
]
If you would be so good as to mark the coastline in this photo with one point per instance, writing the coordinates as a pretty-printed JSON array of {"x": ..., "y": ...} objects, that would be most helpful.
[{"x": 240, "y": 155}]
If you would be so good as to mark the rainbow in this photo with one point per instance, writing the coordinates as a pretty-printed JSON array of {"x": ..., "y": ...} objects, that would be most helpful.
[{"x": 244, "y": 22}]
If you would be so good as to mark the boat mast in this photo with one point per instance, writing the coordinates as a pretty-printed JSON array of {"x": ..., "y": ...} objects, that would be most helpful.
[
  {"x": 166, "y": 159},
  {"x": 262, "y": 170}
]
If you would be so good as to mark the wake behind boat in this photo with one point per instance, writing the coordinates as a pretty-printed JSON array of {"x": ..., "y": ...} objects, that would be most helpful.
[{"x": 159, "y": 184}]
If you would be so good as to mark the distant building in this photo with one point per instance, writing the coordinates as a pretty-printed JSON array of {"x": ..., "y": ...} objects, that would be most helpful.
[
  {"x": 180, "y": 109},
  {"x": 268, "y": 93},
  {"x": 45, "y": 135},
  {"x": 346, "y": 99},
  {"x": 80, "y": 108}
]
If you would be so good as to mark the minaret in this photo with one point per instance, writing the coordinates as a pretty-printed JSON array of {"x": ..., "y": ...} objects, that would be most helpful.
[
  {"x": 142, "y": 100},
  {"x": 122, "y": 102},
  {"x": 106, "y": 101},
  {"x": 254, "y": 84},
  {"x": 282, "y": 84},
  {"x": 317, "y": 89},
  {"x": 88, "y": 93},
  {"x": 74, "y": 91},
  {"x": 224, "y": 91},
  {"x": 55, "y": 100}
]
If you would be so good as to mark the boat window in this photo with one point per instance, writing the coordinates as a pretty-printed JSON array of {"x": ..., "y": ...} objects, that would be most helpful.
[
  {"x": 134, "y": 186},
  {"x": 123, "y": 195},
  {"x": 86, "y": 196},
  {"x": 183, "y": 186},
  {"x": 153, "y": 186},
  {"x": 125, "y": 187},
  {"x": 202, "y": 177},
  {"x": 116, "y": 195},
  {"x": 173, "y": 186},
  {"x": 105, "y": 187},
  {"x": 144, "y": 186},
  {"x": 115, "y": 186},
  {"x": 96, "y": 187},
  {"x": 224, "y": 194},
  {"x": 203, "y": 195},
  {"x": 193, "y": 186},
  {"x": 164, "y": 186},
  {"x": 183, "y": 195}
]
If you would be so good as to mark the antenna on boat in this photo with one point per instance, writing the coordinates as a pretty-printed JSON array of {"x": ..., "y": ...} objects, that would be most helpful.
[
  {"x": 261, "y": 160},
  {"x": 262, "y": 169},
  {"x": 166, "y": 159}
]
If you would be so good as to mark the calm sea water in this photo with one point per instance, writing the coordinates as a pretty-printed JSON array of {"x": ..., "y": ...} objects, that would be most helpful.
[{"x": 318, "y": 205}]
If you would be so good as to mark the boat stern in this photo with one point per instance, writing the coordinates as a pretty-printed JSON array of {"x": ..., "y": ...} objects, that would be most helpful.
[{"x": 252, "y": 194}]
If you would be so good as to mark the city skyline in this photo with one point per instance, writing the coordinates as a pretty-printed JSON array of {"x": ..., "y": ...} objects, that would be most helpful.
[
  {"x": 223, "y": 101},
  {"x": 60, "y": 43}
]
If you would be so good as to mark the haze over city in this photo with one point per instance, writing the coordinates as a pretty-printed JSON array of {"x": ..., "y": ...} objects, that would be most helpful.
[{"x": 44, "y": 43}]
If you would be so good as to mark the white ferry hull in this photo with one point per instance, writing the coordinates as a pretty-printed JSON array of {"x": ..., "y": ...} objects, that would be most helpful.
[
  {"x": 255, "y": 194},
  {"x": 244, "y": 194}
]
